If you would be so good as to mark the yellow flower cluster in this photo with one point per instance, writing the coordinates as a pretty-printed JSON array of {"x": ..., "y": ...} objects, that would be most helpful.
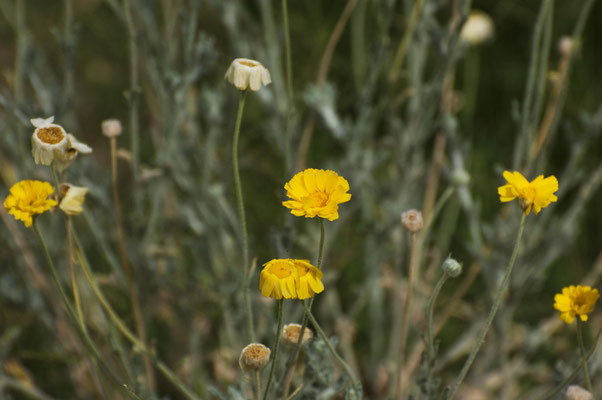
[
  {"x": 575, "y": 301},
  {"x": 291, "y": 279},
  {"x": 316, "y": 192},
  {"x": 28, "y": 198},
  {"x": 536, "y": 194}
]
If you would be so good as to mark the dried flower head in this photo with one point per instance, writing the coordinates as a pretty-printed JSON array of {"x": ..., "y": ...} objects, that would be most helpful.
[
  {"x": 308, "y": 279},
  {"x": 290, "y": 334},
  {"x": 575, "y": 392},
  {"x": 28, "y": 198},
  {"x": 536, "y": 194},
  {"x": 566, "y": 46},
  {"x": 478, "y": 28},
  {"x": 254, "y": 357},
  {"x": 72, "y": 198},
  {"x": 575, "y": 301},
  {"x": 316, "y": 192},
  {"x": 63, "y": 161},
  {"x": 278, "y": 279},
  {"x": 451, "y": 267},
  {"x": 412, "y": 220},
  {"x": 245, "y": 74},
  {"x": 111, "y": 128},
  {"x": 48, "y": 141}
]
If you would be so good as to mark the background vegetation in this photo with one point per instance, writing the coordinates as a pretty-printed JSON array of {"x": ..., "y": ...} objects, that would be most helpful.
[{"x": 403, "y": 133}]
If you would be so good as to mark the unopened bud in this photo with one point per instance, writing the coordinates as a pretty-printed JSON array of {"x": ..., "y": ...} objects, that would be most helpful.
[
  {"x": 290, "y": 334},
  {"x": 412, "y": 220},
  {"x": 111, "y": 128},
  {"x": 451, "y": 267},
  {"x": 460, "y": 177},
  {"x": 254, "y": 357}
]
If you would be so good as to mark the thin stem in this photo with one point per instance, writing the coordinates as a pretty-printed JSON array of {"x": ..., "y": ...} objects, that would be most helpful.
[
  {"x": 243, "y": 221},
  {"x": 125, "y": 264},
  {"x": 138, "y": 344},
  {"x": 492, "y": 312},
  {"x": 588, "y": 382},
  {"x": 289, "y": 83},
  {"x": 134, "y": 89},
  {"x": 405, "y": 41},
  {"x": 292, "y": 360},
  {"x": 76, "y": 299},
  {"x": 55, "y": 179},
  {"x": 344, "y": 365},
  {"x": 257, "y": 385},
  {"x": 430, "y": 346},
  {"x": 276, "y": 346},
  {"x": 407, "y": 309}
]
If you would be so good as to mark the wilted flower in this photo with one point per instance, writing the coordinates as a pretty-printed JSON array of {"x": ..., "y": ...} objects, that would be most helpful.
[
  {"x": 75, "y": 147},
  {"x": 278, "y": 279},
  {"x": 28, "y": 198},
  {"x": 111, "y": 128},
  {"x": 290, "y": 334},
  {"x": 536, "y": 194},
  {"x": 575, "y": 301},
  {"x": 245, "y": 74},
  {"x": 48, "y": 141},
  {"x": 72, "y": 198},
  {"x": 254, "y": 357},
  {"x": 412, "y": 220},
  {"x": 316, "y": 192},
  {"x": 308, "y": 280},
  {"x": 477, "y": 29}
]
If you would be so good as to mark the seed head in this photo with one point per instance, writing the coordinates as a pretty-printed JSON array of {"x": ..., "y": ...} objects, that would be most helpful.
[
  {"x": 290, "y": 334},
  {"x": 254, "y": 357},
  {"x": 111, "y": 128},
  {"x": 412, "y": 220}
]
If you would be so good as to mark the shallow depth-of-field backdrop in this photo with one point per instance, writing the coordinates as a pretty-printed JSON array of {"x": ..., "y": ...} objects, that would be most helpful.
[{"x": 384, "y": 92}]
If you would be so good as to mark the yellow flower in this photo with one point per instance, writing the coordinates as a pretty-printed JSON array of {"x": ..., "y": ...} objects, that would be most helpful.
[
  {"x": 72, "y": 198},
  {"x": 316, "y": 192},
  {"x": 28, "y": 198},
  {"x": 575, "y": 300},
  {"x": 309, "y": 279},
  {"x": 278, "y": 279},
  {"x": 536, "y": 194}
]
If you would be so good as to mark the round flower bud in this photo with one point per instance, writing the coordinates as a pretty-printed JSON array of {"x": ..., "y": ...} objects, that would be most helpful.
[
  {"x": 451, "y": 267},
  {"x": 412, "y": 220},
  {"x": 460, "y": 177},
  {"x": 566, "y": 45},
  {"x": 575, "y": 392},
  {"x": 72, "y": 198},
  {"x": 111, "y": 128},
  {"x": 254, "y": 357},
  {"x": 290, "y": 334},
  {"x": 48, "y": 142},
  {"x": 245, "y": 74},
  {"x": 477, "y": 29}
]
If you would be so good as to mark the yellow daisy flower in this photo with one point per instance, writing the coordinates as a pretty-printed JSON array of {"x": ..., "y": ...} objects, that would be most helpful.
[
  {"x": 316, "y": 192},
  {"x": 536, "y": 194},
  {"x": 575, "y": 300},
  {"x": 28, "y": 198},
  {"x": 309, "y": 279},
  {"x": 278, "y": 279}
]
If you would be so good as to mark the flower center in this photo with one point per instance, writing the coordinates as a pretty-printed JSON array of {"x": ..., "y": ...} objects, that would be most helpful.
[
  {"x": 248, "y": 63},
  {"x": 51, "y": 135},
  {"x": 318, "y": 199},
  {"x": 281, "y": 269}
]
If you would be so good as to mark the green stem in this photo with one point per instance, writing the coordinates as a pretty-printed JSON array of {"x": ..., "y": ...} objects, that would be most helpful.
[
  {"x": 55, "y": 178},
  {"x": 430, "y": 346},
  {"x": 344, "y": 365},
  {"x": 276, "y": 346},
  {"x": 243, "y": 221},
  {"x": 405, "y": 41},
  {"x": 588, "y": 382},
  {"x": 138, "y": 344},
  {"x": 289, "y": 83},
  {"x": 290, "y": 363},
  {"x": 494, "y": 308}
]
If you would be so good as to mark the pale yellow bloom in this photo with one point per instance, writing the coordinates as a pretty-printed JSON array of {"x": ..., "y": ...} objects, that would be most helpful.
[
  {"x": 478, "y": 28},
  {"x": 316, "y": 192},
  {"x": 48, "y": 141},
  {"x": 28, "y": 198},
  {"x": 245, "y": 74},
  {"x": 536, "y": 194},
  {"x": 575, "y": 301},
  {"x": 72, "y": 199}
]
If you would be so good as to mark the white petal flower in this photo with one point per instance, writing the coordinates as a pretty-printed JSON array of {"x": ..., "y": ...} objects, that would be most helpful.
[
  {"x": 478, "y": 28},
  {"x": 48, "y": 142},
  {"x": 75, "y": 147},
  {"x": 72, "y": 199},
  {"x": 245, "y": 74}
]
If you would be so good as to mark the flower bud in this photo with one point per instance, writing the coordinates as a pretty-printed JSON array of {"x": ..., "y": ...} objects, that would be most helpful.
[
  {"x": 290, "y": 334},
  {"x": 245, "y": 74},
  {"x": 478, "y": 28},
  {"x": 451, "y": 267},
  {"x": 111, "y": 128},
  {"x": 460, "y": 177},
  {"x": 254, "y": 357},
  {"x": 412, "y": 220},
  {"x": 575, "y": 392},
  {"x": 566, "y": 46}
]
